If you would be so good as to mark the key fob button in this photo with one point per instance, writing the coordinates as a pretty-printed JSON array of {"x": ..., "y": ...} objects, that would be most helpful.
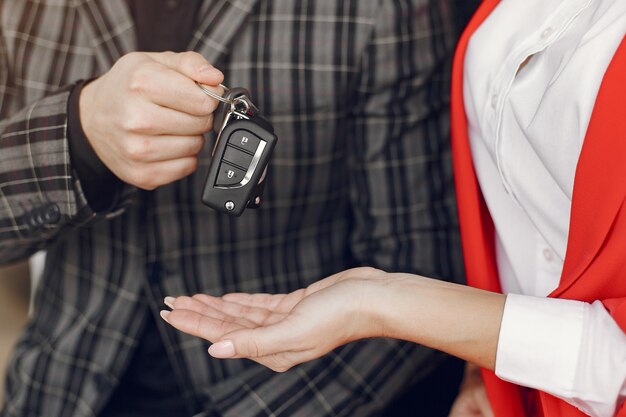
[
  {"x": 244, "y": 140},
  {"x": 229, "y": 175},
  {"x": 237, "y": 157}
]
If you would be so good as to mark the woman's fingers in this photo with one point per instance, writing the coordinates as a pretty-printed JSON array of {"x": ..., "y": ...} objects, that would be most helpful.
[
  {"x": 215, "y": 311},
  {"x": 273, "y": 346},
  {"x": 472, "y": 399},
  {"x": 483, "y": 402},
  {"x": 256, "y": 315},
  {"x": 281, "y": 303},
  {"x": 196, "y": 324},
  {"x": 260, "y": 300}
]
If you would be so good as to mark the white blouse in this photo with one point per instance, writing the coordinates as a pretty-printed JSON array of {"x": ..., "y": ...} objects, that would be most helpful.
[{"x": 532, "y": 74}]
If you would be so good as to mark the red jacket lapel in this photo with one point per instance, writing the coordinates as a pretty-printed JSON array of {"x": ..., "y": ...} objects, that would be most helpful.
[
  {"x": 600, "y": 184},
  {"x": 595, "y": 262}
]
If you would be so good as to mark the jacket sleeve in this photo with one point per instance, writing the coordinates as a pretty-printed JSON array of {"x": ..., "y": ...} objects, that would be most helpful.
[{"x": 40, "y": 195}]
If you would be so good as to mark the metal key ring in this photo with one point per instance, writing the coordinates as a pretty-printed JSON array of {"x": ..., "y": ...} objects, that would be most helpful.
[
  {"x": 240, "y": 101},
  {"x": 215, "y": 96}
]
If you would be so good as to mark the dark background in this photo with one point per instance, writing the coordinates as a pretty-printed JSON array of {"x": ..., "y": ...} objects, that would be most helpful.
[{"x": 463, "y": 11}]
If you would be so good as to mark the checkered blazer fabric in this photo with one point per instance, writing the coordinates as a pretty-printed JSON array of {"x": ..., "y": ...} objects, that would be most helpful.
[{"x": 357, "y": 91}]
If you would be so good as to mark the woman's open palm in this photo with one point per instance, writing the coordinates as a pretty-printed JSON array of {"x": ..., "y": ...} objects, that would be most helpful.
[{"x": 278, "y": 331}]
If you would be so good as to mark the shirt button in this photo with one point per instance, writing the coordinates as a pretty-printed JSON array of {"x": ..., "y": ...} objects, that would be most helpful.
[
  {"x": 546, "y": 32},
  {"x": 494, "y": 101},
  {"x": 548, "y": 255}
]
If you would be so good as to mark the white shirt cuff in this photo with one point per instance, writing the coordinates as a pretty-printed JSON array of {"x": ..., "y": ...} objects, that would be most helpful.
[
  {"x": 570, "y": 349},
  {"x": 539, "y": 343}
]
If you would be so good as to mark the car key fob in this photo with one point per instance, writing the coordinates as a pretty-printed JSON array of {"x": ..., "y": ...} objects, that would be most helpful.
[{"x": 241, "y": 155}]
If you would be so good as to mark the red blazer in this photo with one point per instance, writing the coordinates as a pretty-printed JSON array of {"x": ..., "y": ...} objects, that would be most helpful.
[{"x": 595, "y": 262}]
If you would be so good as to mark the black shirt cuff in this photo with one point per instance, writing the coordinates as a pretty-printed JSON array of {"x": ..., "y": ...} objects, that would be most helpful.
[{"x": 101, "y": 187}]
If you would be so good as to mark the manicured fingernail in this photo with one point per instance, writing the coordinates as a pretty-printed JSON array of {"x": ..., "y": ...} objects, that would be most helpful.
[
  {"x": 169, "y": 301},
  {"x": 165, "y": 314},
  {"x": 222, "y": 350}
]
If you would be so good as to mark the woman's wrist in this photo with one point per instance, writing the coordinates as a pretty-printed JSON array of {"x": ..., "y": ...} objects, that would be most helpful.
[
  {"x": 396, "y": 307},
  {"x": 367, "y": 300},
  {"x": 376, "y": 298},
  {"x": 456, "y": 319}
]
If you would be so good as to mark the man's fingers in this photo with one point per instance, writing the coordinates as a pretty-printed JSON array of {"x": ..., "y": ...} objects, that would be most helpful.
[
  {"x": 156, "y": 174},
  {"x": 163, "y": 148},
  {"x": 191, "y": 64},
  {"x": 169, "y": 88},
  {"x": 158, "y": 120}
]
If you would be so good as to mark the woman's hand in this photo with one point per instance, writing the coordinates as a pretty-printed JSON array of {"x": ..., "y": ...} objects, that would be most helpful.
[
  {"x": 281, "y": 331},
  {"x": 472, "y": 399}
]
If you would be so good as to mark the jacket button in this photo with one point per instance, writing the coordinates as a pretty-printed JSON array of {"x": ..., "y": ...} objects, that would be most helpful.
[
  {"x": 51, "y": 214},
  {"x": 38, "y": 215},
  {"x": 31, "y": 221}
]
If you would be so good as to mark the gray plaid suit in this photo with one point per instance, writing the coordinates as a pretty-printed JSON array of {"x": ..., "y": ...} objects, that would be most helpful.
[{"x": 357, "y": 91}]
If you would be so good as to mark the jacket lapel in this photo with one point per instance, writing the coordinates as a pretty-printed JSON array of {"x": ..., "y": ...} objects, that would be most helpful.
[
  {"x": 111, "y": 28},
  {"x": 220, "y": 22},
  {"x": 599, "y": 186}
]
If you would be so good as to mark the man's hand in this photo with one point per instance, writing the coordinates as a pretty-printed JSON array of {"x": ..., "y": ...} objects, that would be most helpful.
[
  {"x": 472, "y": 399},
  {"x": 279, "y": 331},
  {"x": 145, "y": 117}
]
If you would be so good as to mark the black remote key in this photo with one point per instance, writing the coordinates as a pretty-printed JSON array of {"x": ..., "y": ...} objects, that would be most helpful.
[{"x": 241, "y": 155}]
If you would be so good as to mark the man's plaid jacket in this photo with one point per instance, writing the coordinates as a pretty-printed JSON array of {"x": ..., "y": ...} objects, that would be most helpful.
[{"x": 357, "y": 91}]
